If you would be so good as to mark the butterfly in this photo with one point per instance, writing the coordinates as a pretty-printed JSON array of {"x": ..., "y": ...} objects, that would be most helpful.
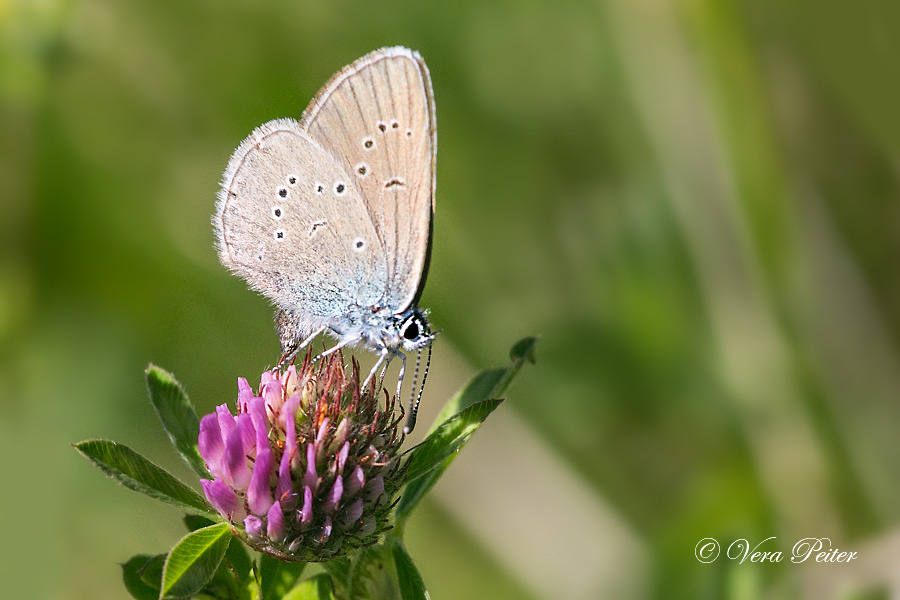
[{"x": 331, "y": 217}]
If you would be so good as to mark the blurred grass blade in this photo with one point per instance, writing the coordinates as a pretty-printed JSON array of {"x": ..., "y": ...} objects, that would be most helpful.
[
  {"x": 411, "y": 585},
  {"x": 139, "y": 474},
  {"x": 132, "y": 577},
  {"x": 277, "y": 578},
  {"x": 194, "y": 560},
  {"x": 177, "y": 415},
  {"x": 488, "y": 384},
  {"x": 315, "y": 588}
]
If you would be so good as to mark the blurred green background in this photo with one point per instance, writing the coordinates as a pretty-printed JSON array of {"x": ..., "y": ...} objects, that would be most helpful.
[{"x": 695, "y": 202}]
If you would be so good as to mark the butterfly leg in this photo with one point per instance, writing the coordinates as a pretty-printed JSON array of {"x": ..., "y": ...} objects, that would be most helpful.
[
  {"x": 402, "y": 373},
  {"x": 289, "y": 353},
  {"x": 335, "y": 348},
  {"x": 381, "y": 358},
  {"x": 384, "y": 368}
]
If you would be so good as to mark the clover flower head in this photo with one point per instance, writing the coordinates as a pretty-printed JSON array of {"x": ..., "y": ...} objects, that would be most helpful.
[{"x": 308, "y": 466}]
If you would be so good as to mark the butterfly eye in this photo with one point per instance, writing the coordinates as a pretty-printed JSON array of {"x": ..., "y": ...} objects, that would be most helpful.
[
  {"x": 368, "y": 143},
  {"x": 276, "y": 212},
  {"x": 339, "y": 188},
  {"x": 283, "y": 192},
  {"x": 412, "y": 331}
]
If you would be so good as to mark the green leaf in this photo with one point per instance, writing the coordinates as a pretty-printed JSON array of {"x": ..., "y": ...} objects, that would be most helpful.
[
  {"x": 339, "y": 569},
  {"x": 131, "y": 576},
  {"x": 372, "y": 575},
  {"x": 195, "y": 522},
  {"x": 237, "y": 564},
  {"x": 478, "y": 389},
  {"x": 424, "y": 459},
  {"x": 277, "y": 577},
  {"x": 151, "y": 573},
  {"x": 194, "y": 560},
  {"x": 447, "y": 439},
  {"x": 429, "y": 460},
  {"x": 136, "y": 472},
  {"x": 314, "y": 588},
  {"x": 177, "y": 415},
  {"x": 224, "y": 583},
  {"x": 488, "y": 384},
  {"x": 523, "y": 350},
  {"x": 411, "y": 585}
]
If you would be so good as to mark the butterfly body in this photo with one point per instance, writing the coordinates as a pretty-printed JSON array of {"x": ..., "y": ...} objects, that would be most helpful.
[
  {"x": 330, "y": 217},
  {"x": 376, "y": 329}
]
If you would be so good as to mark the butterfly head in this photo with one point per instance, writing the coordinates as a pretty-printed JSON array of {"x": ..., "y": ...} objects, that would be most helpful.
[{"x": 413, "y": 329}]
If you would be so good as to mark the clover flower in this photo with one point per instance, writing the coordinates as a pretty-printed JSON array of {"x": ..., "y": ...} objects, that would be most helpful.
[{"x": 308, "y": 467}]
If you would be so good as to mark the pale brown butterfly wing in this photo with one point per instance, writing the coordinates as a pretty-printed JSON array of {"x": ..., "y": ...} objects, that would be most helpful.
[
  {"x": 377, "y": 117},
  {"x": 292, "y": 222}
]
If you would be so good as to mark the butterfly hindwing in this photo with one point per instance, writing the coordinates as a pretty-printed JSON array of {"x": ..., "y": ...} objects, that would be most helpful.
[{"x": 292, "y": 222}]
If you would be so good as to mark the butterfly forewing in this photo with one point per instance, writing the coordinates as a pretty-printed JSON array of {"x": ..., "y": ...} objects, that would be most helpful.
[
  {"x": 292, "y": 222},
  {"x": 377, "y": 117}
]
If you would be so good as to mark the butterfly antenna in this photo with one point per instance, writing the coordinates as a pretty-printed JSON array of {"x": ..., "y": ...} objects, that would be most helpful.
[
  {"x": 414, "y": 408},
  {"x": 412, "y": 390}
]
